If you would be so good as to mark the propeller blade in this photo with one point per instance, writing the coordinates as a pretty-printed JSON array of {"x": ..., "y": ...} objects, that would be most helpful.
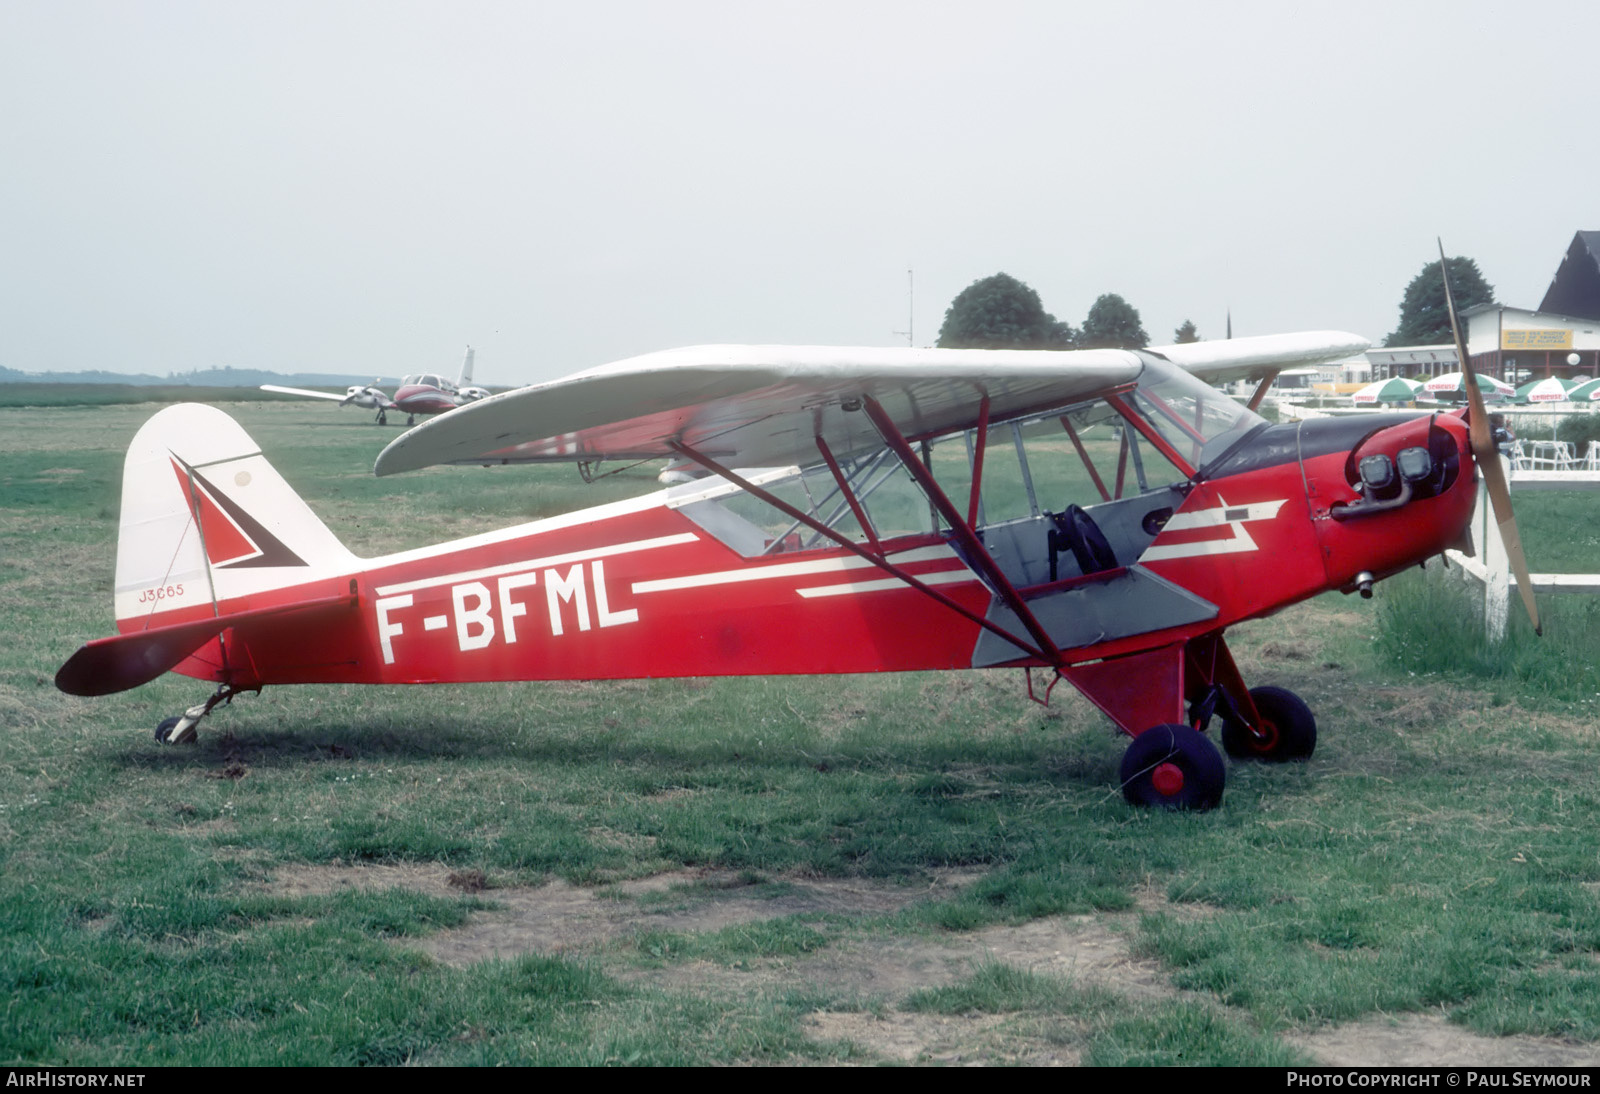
[{"x": 1488, "y": 457}]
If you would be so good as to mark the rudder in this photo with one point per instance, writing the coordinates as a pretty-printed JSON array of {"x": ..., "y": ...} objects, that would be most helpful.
[{"x": 207, "y": 520}]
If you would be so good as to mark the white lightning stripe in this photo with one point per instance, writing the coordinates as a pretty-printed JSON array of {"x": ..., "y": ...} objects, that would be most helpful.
[
  {"x": 1240, "y": 541},
  {"x": 787, "y": 569},
  {"x": 944, "y": 577},
  {"x": 536, "y": 563},
  {"x": 1223, "y": 514}
]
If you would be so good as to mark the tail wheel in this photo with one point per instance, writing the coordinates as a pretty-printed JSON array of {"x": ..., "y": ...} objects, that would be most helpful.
[
  {"x": 172, "y": 731},
  {"x": 1287, "y": 732},
  {"x": 1174, "y": 767}
]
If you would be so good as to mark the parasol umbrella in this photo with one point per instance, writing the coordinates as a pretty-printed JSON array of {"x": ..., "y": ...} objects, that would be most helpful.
[
  {"x": 1548, "y": 390},
  {"x": 1396, "y": 390},
  {"x": 1455, "y": 383}
]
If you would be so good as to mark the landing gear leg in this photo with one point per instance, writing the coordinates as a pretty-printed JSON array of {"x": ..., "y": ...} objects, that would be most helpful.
[
  {"x": 1269, "y": 724},
  {"x": 383, "y": 417},
  {"x": 180, "y": 729}
]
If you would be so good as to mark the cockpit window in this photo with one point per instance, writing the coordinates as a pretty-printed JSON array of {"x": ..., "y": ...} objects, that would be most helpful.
[
  {"x": 1080, "y": 455},
  {"x": 1139, "y": 441},
  {"x": 892, "y": 504},
  {"x": 1200, "y": 422}
]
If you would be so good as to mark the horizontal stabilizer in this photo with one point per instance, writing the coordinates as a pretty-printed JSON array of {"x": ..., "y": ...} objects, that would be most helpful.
[{"x": 109, "y": 665}]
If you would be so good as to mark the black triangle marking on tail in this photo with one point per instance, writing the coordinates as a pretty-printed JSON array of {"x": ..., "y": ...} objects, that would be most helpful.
[{"x": 273, "y": 551}]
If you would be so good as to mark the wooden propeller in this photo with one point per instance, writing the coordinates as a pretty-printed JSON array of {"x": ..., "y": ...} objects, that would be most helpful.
[{"x": 1488, "y": 457}]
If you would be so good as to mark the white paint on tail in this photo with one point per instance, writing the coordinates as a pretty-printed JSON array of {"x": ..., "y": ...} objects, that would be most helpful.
[{"x": 205, "y": 518}]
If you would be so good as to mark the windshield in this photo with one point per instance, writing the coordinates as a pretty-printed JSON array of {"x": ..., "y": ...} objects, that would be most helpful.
[
  {"x": 1142, "y": 439},
  {"x": 1200, "y": 422}
]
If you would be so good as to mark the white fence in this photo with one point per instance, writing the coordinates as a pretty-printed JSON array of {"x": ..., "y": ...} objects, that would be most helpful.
[{"x": 1491, "y": 565}]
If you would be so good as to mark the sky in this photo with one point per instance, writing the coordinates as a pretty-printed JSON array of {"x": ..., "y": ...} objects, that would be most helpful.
[{"x": 359, "y": 186}]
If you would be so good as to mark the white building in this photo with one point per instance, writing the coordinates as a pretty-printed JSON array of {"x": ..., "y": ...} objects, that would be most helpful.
[
  {"x": 1413, "y": 362},
  {"x": 1516, "y": 344}
]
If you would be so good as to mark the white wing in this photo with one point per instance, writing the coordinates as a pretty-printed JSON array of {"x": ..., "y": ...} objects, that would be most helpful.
[
  {"x": 1252, "y": 358},
  {"x": 753, "y": 405},
  {"x": 304, "y": 392},
  {"x": 764, "y": 406}
]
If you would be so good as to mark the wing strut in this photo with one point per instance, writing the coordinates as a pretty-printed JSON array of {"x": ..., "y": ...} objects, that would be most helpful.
[
  {"x": 1261, "y": 390},
  {"x": 880, "y": 561},
  {"x": 982, "y": 446},
  {"x": 849, "y": 495},
  {"x": 1083, "y": 455},
  {"x": 972, "y": 546}
]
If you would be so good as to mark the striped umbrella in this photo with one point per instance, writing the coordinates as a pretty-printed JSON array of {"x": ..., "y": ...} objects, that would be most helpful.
[
  {"x": 1548, "y": 390},
  {"x": 1396, "y": 390},
  {"x": 1456, "y": 383}
]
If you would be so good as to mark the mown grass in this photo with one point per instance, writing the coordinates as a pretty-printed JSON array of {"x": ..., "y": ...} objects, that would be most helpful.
[
  {"x": 1167, "y": 1034},
  {"x": 1436, "y": 855},
  {"x": 1558, "y": 532},
  {"x": 1431, "y": 622}
]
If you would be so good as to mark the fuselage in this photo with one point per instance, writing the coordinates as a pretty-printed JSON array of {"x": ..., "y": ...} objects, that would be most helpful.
[
  {"x": 426, "y": 393},
  {"x": 678, "y": 584}
]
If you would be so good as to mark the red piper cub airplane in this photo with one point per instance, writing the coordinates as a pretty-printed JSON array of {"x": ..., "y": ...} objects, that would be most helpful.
[{"x": 1101, "y": 515}]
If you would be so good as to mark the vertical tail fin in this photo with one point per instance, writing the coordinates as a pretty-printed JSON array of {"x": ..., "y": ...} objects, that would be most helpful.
[{"x": 207, "y": 523}]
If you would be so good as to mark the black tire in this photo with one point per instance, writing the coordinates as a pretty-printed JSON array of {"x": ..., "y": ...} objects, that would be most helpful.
[
  {"x": 1290, "y": 731},
  {"x": 165, "y": 727},
  {"x": 1173, "y": 767}
]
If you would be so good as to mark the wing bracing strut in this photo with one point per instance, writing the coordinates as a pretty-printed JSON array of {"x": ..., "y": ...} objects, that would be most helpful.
[{"x": 869, "y": 555}]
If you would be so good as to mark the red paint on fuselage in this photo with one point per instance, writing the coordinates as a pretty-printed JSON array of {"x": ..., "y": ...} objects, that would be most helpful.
[{"x": 640, "y": 590}]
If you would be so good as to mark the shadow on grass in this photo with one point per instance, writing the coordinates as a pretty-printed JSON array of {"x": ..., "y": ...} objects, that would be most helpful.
[{"x": 938, "y": 767}]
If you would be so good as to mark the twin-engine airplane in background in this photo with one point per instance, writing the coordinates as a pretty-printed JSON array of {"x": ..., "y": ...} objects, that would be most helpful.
[
  {"x": 422, "y": 393},
  {"x": 1101, "y": 515}
]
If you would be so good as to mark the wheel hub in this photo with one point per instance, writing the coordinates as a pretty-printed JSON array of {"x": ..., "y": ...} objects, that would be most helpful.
[
  {"x": 1167, "y": 779},
  {"x": 1265, "y": 738}
]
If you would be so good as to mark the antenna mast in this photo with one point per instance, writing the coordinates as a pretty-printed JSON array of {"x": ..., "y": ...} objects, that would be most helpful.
[{"x": 911, "y": 311}]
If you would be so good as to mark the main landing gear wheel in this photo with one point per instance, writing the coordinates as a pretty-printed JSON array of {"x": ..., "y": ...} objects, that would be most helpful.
[
  {"x": 1174, "y": 767},
  {"x": 1288, "y": 731}
]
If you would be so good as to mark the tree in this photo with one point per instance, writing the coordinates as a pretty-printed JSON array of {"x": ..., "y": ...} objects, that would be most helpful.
[
  {"x": 1112, "y": 323},
  {"x": 1000, "y": 312},
  {"x": 1424, "y": 319},
  {"x": 1185, "y": 333}
]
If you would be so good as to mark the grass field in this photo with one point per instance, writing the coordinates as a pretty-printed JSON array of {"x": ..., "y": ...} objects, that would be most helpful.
[{"x": 901, "y": 868}]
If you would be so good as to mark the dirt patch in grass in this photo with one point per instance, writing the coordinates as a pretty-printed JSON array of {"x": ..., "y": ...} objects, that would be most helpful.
[
  {"x": 879, "y": 972},
  {"x": 1425, "y": 1040},
  {"x": 942, "y": 1038},
  {"x": 559, "y": 917}
]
